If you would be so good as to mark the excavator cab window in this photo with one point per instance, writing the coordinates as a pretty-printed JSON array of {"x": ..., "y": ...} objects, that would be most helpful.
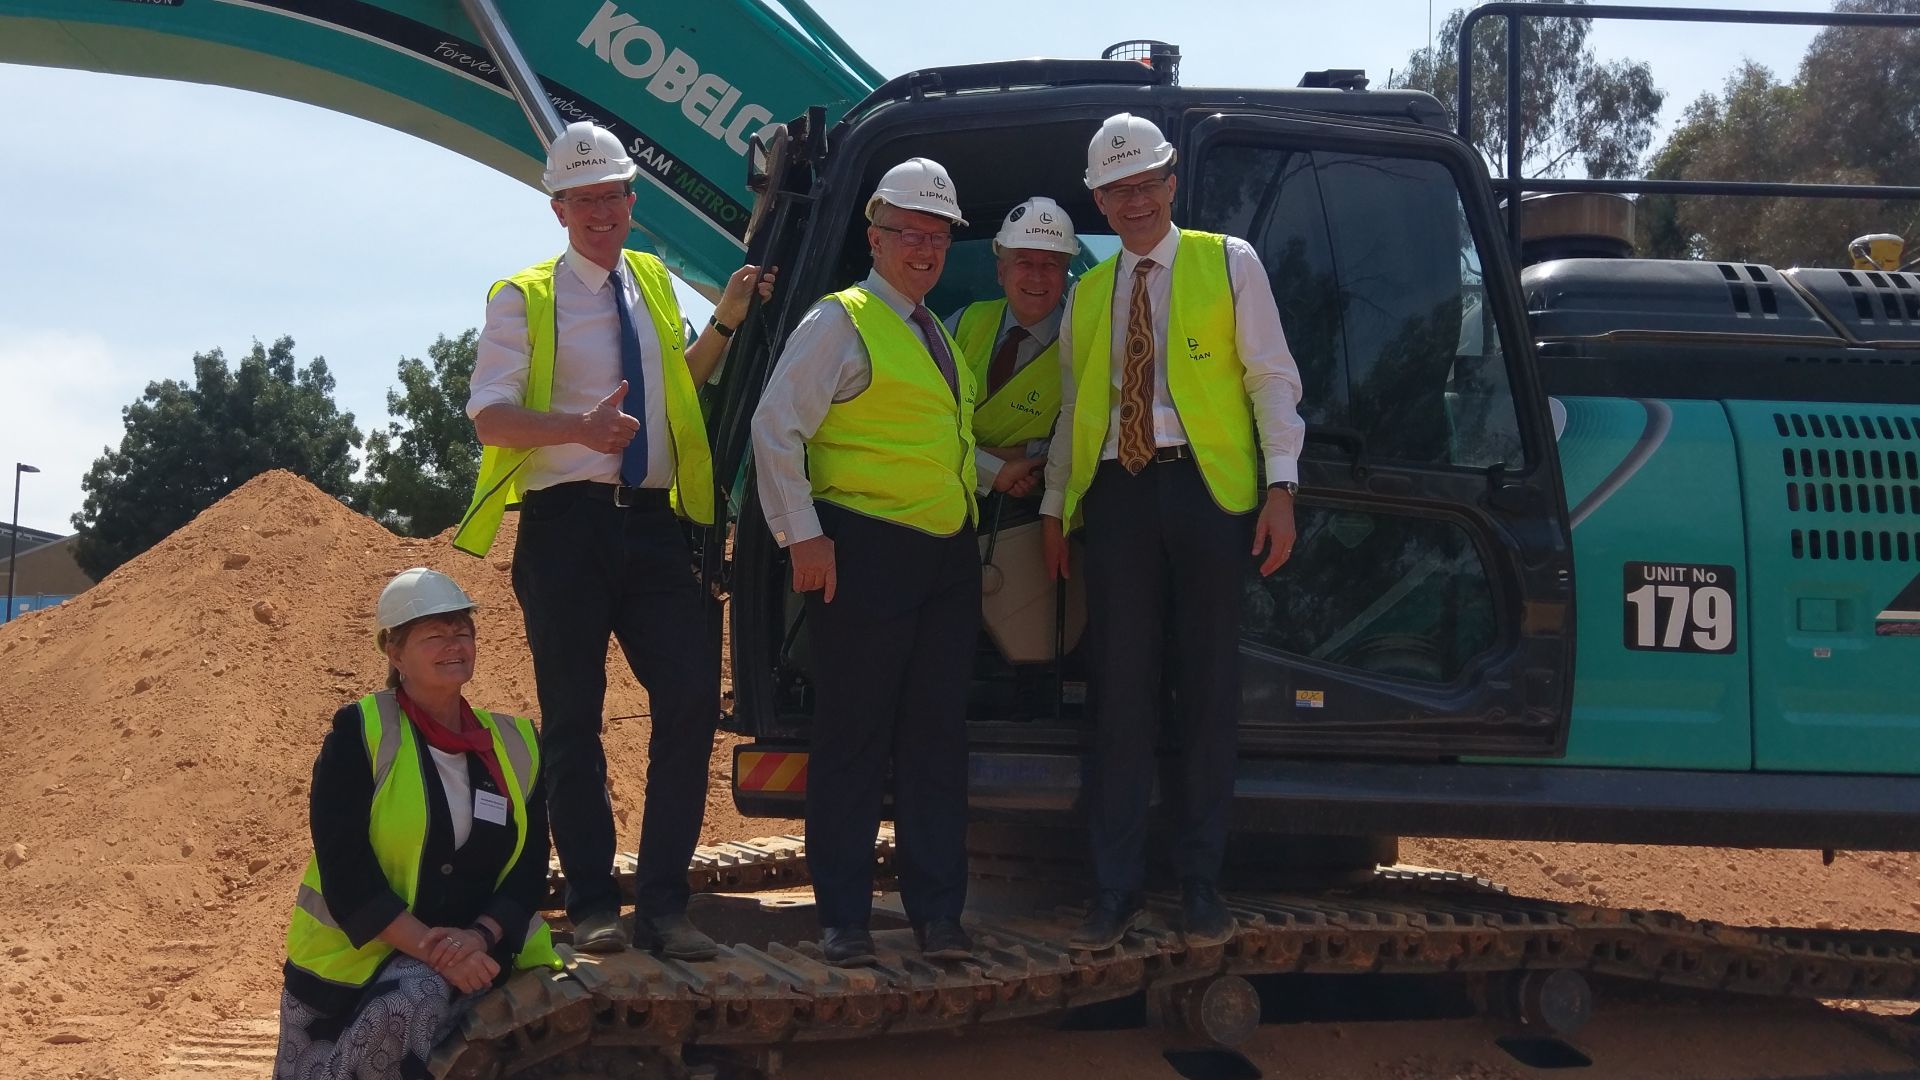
[{"x": 1378, "y": 282}]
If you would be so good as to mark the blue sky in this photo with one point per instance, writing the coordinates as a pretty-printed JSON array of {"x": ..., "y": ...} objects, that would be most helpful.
[{"x": 136, "y": 230}]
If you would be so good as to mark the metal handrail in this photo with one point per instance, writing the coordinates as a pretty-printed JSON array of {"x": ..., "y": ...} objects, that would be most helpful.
[{"x": 1513, "y": 184}]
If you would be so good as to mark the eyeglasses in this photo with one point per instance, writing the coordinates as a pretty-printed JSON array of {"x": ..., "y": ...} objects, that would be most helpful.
[
  {"x": 915, "y": 238},
  {"x": 615, "y": 201},
  {"x": 1123, "y": 192}
]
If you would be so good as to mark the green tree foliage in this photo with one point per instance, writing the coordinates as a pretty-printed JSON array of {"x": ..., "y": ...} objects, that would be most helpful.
[
  {"x": 1574, "y": 110},
  {"x": 1850, "y": 115},
  {"x": 420, "y": 475},
  {"x": 187, "y": 446}
]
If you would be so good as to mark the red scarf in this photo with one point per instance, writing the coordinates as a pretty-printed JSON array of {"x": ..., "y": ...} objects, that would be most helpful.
[{"x": 472, "y": 738}]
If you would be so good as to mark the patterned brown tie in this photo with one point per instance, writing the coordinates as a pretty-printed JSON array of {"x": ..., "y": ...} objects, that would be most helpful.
[
  {"x": 1136, "y": 378},
  {"x": 1001, "y": 367}
]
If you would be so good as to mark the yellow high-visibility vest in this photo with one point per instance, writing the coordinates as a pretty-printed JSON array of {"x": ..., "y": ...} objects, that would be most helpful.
[
  {"x": 903, "y": 449},
  {"x": 1204, "y": 374},
  {"x": 397, "y": 828},
  {"x": 499, "y": 482},
  {"x": 1028, "y": 404}
]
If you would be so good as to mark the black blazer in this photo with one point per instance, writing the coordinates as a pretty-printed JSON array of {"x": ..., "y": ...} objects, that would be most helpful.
[{"x": 456, "y": 886}]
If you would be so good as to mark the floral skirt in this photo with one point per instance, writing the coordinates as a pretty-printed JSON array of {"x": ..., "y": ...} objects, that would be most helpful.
[{"x": 388, "y": 1035}]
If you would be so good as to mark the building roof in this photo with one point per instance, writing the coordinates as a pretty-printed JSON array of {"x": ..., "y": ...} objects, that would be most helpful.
[{"x": 30, "y": 538}]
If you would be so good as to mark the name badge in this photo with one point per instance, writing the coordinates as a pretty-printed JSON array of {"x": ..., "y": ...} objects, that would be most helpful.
[{"x": 489, "y": 807}]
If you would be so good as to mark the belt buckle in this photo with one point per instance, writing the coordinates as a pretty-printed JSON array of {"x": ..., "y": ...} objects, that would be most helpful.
[{"x": 621, "y": 494}]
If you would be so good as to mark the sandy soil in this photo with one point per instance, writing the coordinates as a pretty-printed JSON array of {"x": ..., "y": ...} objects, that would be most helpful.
[{"x": 157, "y": 734}]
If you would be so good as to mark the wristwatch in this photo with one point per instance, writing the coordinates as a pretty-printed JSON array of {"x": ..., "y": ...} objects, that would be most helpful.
[
  {"x": 724, "y": 330},
  {"x": 1288, "y": 486}
]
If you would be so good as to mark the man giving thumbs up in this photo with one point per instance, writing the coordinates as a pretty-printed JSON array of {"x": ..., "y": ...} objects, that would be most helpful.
[{"x": 584, "y": 396}]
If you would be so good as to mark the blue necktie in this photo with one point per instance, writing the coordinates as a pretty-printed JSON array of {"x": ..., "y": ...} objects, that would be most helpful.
[{"x": 633, "y": 463}]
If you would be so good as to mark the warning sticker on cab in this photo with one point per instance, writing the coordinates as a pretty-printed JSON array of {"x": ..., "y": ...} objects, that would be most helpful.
[
  {"x": 1309, "y": 699},
  {"x": 1680, "y": 607}
]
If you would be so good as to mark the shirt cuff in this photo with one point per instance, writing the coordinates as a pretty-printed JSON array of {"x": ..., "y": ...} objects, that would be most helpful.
[
  {"x": 371, "y": 920},
  {"x": 1053, "y": 504},
  {"x": 790, "y": 529},
  {"x": 479, "y": 400},
  {"x": 1282, "y": 470},
  {"x": 987, "y": 466}
]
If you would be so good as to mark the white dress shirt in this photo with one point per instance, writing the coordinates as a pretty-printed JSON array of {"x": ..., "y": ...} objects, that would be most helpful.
[
  {"x": 1272, "y": 379},
  {"x": 1040, "y": 337},
  {"x": 586, "y": 368}
]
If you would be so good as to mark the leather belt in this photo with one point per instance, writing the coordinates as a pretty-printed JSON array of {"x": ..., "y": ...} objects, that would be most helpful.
[{"x": 620, "y": 495}]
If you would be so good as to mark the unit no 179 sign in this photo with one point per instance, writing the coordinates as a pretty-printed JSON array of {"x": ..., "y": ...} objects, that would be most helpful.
[{"x": 1680, "y": 607}]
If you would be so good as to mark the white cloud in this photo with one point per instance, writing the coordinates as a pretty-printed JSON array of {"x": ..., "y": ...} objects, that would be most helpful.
[{"x": 65, "y": 389}]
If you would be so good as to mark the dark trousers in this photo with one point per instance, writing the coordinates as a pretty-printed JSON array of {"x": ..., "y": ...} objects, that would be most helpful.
[
  {"x": 1165, "y": 565},
  {"x": 583, "y": 570},
  {"x": 891, "y": 658}
]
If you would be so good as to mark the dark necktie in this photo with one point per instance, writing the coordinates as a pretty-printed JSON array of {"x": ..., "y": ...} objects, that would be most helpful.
[
  {"x": 633, "y": 462},
  {"x": 1001, "y": 369},
  {"x": 937, "y": 345}
]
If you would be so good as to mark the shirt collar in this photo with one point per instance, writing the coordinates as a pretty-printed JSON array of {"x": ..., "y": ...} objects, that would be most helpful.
[
  {"x": 589, "y": 273},
  {"x": 1044, "y": 331},
  {"x": 1162, "y": 253},
  {"x": 889, "y": 295}
]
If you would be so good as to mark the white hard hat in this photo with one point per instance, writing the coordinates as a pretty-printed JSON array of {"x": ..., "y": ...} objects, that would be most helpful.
[
  {"x": 918, "y": 184},
  {"x": 1037, "y": 223},
  {"x": 417, "y": 593},
  {"x": 585, "y": 154},
  {"x": 1125, "y": 145}
]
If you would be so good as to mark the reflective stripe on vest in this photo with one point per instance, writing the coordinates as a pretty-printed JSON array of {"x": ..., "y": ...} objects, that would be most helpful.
[
  {"x": 500, "y": 467},
  {"x": 397, "y": 829},
  {"x": 1204, "y": 374},
  {"x": 899, "y": 450},
  {"x": 1026, "y": 407}
]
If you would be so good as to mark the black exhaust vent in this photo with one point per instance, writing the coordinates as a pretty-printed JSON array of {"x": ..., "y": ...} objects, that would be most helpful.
[{"x": 1854, "y": 545}]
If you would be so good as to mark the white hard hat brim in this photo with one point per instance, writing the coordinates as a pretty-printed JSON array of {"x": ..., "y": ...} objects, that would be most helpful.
[
  {"x": 1117, "y": 175},
  {"x": 556, "y": 187},
  {"x": 876, "y": 200}
]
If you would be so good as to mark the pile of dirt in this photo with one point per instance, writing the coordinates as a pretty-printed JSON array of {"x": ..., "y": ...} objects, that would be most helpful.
[{"x": 158, "y": 735}]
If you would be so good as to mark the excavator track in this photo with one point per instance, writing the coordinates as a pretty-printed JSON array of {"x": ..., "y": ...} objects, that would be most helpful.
[
  {"x": 737, "y": 866},
  {"x": 1406, "y": 920}
]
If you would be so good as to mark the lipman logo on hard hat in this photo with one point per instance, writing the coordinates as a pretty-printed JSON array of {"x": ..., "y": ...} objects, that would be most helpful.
[
  {"x": 584, "y": 147},
  {"x": 1045, "y": 217},
  {"x": 1119, "y": 141},
  {"x": 939, "y": 181}
]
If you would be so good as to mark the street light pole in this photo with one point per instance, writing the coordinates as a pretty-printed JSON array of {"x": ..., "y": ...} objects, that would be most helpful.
[{"x": 13, "y": 537}]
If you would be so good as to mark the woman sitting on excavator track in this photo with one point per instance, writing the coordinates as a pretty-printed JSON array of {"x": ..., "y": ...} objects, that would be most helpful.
[{"x": 429, "y": 824}]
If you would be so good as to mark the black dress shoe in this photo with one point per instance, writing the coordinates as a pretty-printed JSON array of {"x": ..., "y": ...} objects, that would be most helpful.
[
  {"x": 848, "y": 946},
  {"x": 1204, "y": 918},
  {"x": 673, "y": 936},
  {"x": 1112, "y": 916},
  {"x": 943, "y": 939}
]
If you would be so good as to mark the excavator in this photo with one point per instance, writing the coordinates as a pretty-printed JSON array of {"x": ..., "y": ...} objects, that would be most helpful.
[{"x": 1591, "y": 547}]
